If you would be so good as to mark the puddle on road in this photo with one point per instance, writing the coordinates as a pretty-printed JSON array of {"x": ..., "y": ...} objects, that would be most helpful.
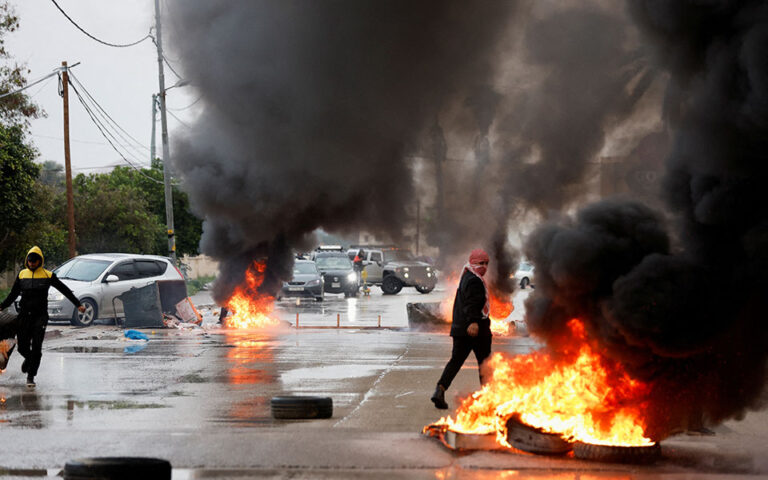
[
  {"x": 331, "y": 372},
  {"x": 82, "y": 349},
  {"x": 109, "y": 405}
]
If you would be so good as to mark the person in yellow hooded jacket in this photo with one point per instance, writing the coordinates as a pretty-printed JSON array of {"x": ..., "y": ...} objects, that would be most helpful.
[{"x": 32, "y": 284}]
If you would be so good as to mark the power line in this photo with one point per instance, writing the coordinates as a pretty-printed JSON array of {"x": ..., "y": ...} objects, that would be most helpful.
[
  {"x": 179, "y": 120},
  {"x": 105, "y": 134},
  {"x": 106, "y": 115},
  {"x": 167, "y": 62},
  {"x": 94, "y": 38},
  {"x": 55, "y": 72},
  {"x": 188, "y": 106}
]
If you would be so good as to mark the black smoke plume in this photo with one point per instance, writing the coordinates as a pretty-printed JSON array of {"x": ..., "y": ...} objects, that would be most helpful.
[
  {"x": 681, "y": 300},
  {"x": 310, "y": 110}
]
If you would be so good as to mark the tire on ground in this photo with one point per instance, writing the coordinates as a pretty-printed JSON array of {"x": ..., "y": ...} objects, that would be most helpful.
[
  {"x": 532, "y": 440},
  {"x": 118, "y": 468},
  {"x": 616, "y": 454},
  {"x": 424, "y": 288},
  {"x": 295, "y": 407}
]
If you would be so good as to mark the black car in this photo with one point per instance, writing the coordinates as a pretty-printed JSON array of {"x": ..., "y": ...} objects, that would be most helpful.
[
  {"x": 306, "y": 281},
  {"x": 338, "y": 273}
]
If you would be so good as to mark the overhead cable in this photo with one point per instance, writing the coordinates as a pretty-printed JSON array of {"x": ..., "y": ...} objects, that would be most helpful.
[
  {"x": 106, "y": 135},
  {"x": 94, "y": 38},
  {"x": 55, "y": 72}
]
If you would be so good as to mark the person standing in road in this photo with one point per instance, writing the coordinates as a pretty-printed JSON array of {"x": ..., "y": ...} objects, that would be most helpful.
[
  {"x": 32, "y": 284},
  {"x": 471, "y": 326}
]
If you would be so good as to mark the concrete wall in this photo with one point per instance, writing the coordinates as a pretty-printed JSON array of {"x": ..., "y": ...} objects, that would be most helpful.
[{"x": 200, "y": 266}]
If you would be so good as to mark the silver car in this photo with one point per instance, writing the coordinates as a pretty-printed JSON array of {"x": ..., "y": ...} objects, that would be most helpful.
[{"x": 96, "y": 279}]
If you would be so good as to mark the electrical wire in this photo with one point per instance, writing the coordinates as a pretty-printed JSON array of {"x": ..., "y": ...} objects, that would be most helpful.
[
  {"x": 178, "y": 119},
  {"x": 184, "y": 108},
  {"x": 94, "y": 38},
  {"x": 106, "y": 116},
  {"x": 106, "y": 135},
  {"x": 166, "y": 61},
  {"x": 55, "y": 72}
]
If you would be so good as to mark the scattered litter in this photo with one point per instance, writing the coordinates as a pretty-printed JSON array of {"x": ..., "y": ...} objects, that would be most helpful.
[
  {"x": 187, "y": 311},
  {"x": 136, "y": 335}
]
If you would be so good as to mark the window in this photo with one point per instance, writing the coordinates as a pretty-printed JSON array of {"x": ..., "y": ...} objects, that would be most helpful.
[
  {"x": 376, "y": 257},
  {"x": 82, "y": 269},
  {"x": 124, "y": 271},
  {"x": 148, "y": 268}
]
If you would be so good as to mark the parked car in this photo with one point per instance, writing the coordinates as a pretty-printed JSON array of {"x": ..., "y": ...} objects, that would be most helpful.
[
  {"x": 96, "y": 279},
  {"x": 338, "y": 272},
  {"x": 393, "y": 268},
  {"x": 306, "y": 281},
  {"x": 524, "y": 274}
]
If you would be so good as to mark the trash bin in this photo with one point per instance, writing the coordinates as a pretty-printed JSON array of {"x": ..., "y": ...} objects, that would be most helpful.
[{"x": 144, "y": 306}]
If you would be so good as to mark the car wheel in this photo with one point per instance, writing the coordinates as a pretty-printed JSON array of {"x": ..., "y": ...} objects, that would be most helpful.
[
  {"x": 524, "y": 282},
  {"x": 86, "y": 318},
  {"x": 290, "y": 407},
  {"x": 391, "y": 285},
  {"x": 425, "y": 288}
]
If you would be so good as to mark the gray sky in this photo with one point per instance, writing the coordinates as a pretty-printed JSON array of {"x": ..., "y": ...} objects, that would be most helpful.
[{"x": 121, "y": 80}]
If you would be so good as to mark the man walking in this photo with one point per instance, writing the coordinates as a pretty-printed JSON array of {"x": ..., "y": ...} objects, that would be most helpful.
[
  {"x": 32, "y": 284},
  {"x": 471, "y": 327}
]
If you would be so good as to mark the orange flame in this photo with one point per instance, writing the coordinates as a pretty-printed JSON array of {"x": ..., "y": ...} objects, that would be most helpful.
[
  {"x": 251, "y": 308},
  {"x": 583, "y": 397}
]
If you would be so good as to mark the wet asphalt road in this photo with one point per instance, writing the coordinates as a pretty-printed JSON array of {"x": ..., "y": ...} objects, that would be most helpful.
[{"x": 200, "y": 398}]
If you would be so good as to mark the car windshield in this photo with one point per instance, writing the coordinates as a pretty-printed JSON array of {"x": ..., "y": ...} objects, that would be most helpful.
[
  {"x": 334, "y": 262},
  {"x": 397, "y": 256},
  {"x": 84, "y": 270},
  {"x": 304, "y": 268},
  {"x": 525, "y": 267}
]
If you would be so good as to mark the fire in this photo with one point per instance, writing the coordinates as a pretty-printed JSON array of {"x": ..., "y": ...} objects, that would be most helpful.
[
  {"x": 582, "y": 397},
  {"x": 251, "y": 308}
]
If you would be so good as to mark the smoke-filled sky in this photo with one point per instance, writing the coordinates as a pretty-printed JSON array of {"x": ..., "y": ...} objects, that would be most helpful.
[{"x": 341, "y": 114}]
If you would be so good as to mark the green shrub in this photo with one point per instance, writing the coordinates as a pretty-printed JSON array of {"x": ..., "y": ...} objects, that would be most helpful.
[{"x": 194, "y": 286}]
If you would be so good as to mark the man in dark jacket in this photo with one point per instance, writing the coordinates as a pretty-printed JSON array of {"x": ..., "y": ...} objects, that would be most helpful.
[
  {"x": 32, "y": 284},
  {"x": 471, "y": 327}
]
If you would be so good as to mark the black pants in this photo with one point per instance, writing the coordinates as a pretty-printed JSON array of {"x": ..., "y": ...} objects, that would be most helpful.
[
  {"x": 30, "y": 340},
  {"x": 481, "y": 345}
]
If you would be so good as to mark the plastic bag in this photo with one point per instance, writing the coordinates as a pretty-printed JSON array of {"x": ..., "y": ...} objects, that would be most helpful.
[{"x": 136, "y": 335}]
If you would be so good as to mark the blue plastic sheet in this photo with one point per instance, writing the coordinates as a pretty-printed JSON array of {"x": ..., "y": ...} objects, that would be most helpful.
[{"x": 136, "y": 335}]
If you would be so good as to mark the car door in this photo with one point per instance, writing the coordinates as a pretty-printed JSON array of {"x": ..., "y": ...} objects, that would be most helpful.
[
  {"x": 374, "y": 267},
  {"x": 127, "y": 277}
]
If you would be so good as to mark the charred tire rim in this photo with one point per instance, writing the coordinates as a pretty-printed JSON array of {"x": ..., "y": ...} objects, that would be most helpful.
[
  {"x": 391, "y": 285},
  {"x": 301, "y": 407},
  {"x": 533, "y": 440},
  {"x": 425, "y": 288},
  {"x": 86, "y": 318},
  {"x": 118, "y": 468},
  {"x": 617, "y": 454}
]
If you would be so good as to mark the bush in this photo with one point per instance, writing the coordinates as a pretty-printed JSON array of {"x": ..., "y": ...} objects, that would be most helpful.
[{"x": 194, "y": 286}]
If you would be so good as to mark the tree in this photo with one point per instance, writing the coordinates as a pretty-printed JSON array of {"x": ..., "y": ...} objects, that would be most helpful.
[
  {"x": 17, "y": 168},
  {"x": 18, "y": 173},
  {"x": 188, "y": 227},
  {"x": 113, "y": 217}
]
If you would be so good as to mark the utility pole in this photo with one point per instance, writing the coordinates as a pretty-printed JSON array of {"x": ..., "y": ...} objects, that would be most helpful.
[
  {"x": 67, "y": 162},
  {"x": 152, "y": 153},
  {"x": 164, "y": 134}
]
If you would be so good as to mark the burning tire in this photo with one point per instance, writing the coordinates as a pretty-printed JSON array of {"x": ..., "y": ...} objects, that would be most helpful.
[
  {"x": 391, "y": 285},
  {"x": 533, "y": 440},
  {"x": 118, "y": 467},
  {"x": 617, "y": 454},
  {"x": 301, "y": 407}
]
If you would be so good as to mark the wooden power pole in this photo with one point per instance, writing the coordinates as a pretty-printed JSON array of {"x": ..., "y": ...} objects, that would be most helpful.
[{"x": 67, "y": 162}]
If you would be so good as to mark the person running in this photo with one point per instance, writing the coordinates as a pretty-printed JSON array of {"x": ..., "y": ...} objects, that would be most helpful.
[
  {"x": 470, "y": 326},
  {"x": 32, "y": 284}
]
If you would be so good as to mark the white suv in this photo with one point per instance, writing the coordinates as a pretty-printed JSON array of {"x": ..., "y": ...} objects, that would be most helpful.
[{"x": 96, "y": 279}]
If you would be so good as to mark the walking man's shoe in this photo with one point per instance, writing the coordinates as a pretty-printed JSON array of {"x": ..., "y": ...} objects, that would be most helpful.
[
  {"x": 438, "y": 398},
  {"x": 30, "y": 381}
]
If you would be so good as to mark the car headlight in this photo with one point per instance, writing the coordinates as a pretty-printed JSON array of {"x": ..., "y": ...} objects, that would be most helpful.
[
  {"x": 429, "y": 274},
  {"x": 351, "y": 277},
  {"x": 313, "y": 283},
  {"x": 405, "y": 269},
  {"x": 55, "y": 296},
  {"x": 405, "y": 274}
]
